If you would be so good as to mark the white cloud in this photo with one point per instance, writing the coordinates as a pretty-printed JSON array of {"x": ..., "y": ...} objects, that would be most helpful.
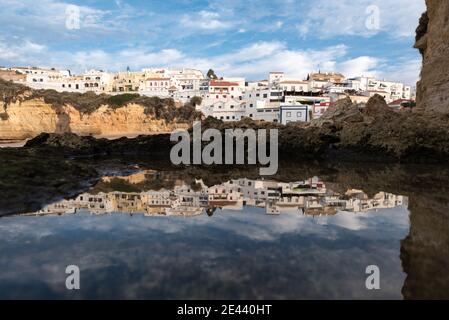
[
  {"x": 405, "y": 70},
  {"x": 21, "y": 52},
  {"x": 205, "y": 20},
  {"x": 48, "y": 12},
  {"x": 253, "y": 61},
  {"x": 365, "y": 66},
  {"x": 346, "y": 17}
]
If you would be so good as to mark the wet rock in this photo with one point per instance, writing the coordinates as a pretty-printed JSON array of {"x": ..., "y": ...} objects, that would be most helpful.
[{"x": 31, "y": 178}]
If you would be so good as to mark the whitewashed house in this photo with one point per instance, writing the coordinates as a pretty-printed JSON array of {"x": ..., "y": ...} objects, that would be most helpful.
[
  {"x": 295, "y": 113},
  {"x": 226, "y": 110}
]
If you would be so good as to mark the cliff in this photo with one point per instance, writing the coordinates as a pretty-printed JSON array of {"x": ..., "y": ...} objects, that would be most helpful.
[
  {"x": 432, "y": 40},
  {"x": 25, "y": 113}
]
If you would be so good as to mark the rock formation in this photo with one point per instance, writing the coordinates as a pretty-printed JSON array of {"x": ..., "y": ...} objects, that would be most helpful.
[
  {"x": 25, "y": 113},
  {"x": 432, "y": 40},
  {"x": 29, "y": 118}
]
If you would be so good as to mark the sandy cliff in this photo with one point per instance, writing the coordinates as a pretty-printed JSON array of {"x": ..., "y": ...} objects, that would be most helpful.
[
  {"x": 26, "y": 113},
  {"x": 432, "y": 39},
  {"x": 30, "y": 118}
]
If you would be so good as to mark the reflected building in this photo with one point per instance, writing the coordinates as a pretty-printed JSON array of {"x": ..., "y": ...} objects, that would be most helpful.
[{"x": 308, "y": 197}]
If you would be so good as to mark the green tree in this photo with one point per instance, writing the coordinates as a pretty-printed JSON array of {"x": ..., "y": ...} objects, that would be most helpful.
[
  {"x": 211, "y": 74},
  {"x": 196, "y": 101}
]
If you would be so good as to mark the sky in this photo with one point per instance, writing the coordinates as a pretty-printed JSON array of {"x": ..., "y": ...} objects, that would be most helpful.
[{"x": 235, "y": 38}]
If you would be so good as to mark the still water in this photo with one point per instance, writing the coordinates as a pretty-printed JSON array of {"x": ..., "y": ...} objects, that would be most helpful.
[{"x": 158, "y": 235}]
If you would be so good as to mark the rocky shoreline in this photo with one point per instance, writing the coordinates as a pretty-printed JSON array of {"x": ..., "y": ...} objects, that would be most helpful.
[{"x": 346, "y": 132}]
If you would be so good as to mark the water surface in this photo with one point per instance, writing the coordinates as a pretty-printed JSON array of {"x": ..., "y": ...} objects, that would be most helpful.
[{"x": 241, "y": 250}]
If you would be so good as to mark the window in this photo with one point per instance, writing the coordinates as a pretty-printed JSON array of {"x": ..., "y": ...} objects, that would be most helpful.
[
  {"x": 289, "y": 114},
  {"x": 265, "y": 95},
  {"x": 299, "y": 114}
]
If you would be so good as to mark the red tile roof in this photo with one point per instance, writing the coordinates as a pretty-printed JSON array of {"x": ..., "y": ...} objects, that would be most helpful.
[{"x": 221, "y": 83}]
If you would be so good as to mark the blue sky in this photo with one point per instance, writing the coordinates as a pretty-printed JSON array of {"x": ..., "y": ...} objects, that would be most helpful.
[{"x": 235, "y": 38}]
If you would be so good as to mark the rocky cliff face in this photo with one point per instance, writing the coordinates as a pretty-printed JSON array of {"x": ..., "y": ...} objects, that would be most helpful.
[
  {"x": 432, "y": 39},
  {"x": 29, "y": 118},
  {"x": 26, "y": 113}
]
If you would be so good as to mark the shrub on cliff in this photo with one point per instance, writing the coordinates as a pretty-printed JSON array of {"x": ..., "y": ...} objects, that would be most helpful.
[
  {"x": 167, "y": 110},
  {"x": 84, "y": 102},
  {"x": 121, "y": 99},
  {"x": 10, "y": 91}
]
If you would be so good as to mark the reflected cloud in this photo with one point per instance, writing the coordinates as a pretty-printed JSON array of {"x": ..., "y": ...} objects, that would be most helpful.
[{"x": 157, "y": 235}]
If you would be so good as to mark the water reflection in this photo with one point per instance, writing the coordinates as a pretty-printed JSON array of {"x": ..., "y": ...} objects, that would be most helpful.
[
  {"x": 309, "y": 197},
  {"x": 309, "y": 238},
  {"x": 267, "y": 239}
]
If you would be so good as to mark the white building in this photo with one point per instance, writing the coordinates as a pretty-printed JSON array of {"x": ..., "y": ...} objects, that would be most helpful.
[
  {"x": 224, "y": 89},
  {"x": 224, "y": 109},
  {"x": 295, "y": 86},
  {"x": 294, "y": 113},
  {"x": 389, "y": 89},
  {"x": 268, "y": 112},
  {"x": 158, "y": 87},
  {"x": 275, "y": 77},
  {"x": 63, "y": 81},
  {"x": 318, "y": 104}
]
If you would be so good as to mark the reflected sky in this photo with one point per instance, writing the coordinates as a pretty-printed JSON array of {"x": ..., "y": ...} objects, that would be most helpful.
[{"x": 231, "y": 255}]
